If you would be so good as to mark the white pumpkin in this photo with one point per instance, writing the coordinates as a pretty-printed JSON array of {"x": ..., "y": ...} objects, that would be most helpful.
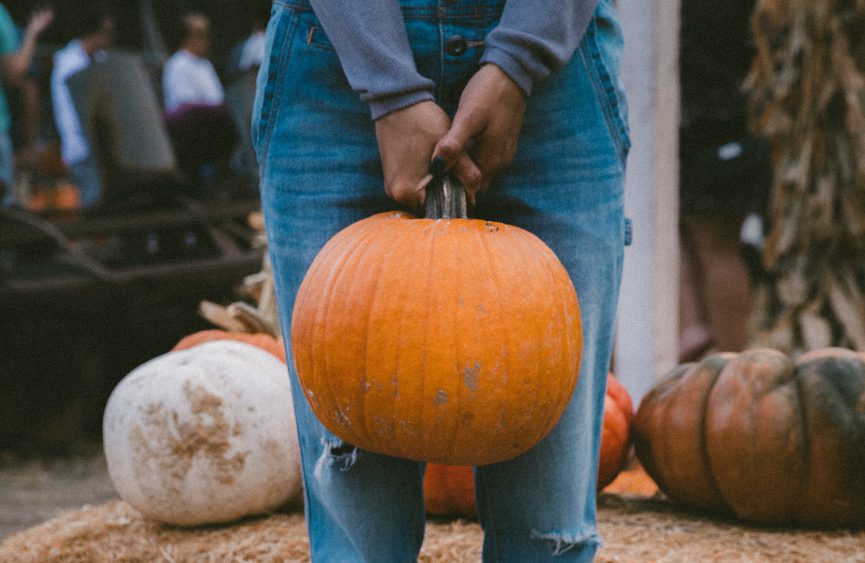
[{"x": 204, "y": 435}]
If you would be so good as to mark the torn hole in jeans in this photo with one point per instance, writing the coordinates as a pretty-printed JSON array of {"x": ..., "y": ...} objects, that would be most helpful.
[
  {"x": 335, "y": 453},
  {"x": 562, "y": 543}
]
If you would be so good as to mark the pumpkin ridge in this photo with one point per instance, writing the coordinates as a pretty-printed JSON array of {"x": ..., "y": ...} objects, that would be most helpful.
[
  {"x": 303, "y": 297},
  {"x": 528, "y": 248},
  {"x": 704, "y": 453},
  {"x": 310, "y": 332},
  {"x": 452, "y": 441},
  {"x": 806, "y": 441},
  {"x": 506, "y": 327},
  {"x": 433, "y": 234},
  {"x": 403, "y": 440},
  {"x": 342, "y": 245},
  {"x": 761, "y": 376},
  {"x": 338, "y": 271},
  {"x": 523, "y": 250},
  {"x": 361, "y": 362},
  {"x": 369, "y": 397},
  {"x": 531, "y": 239},
  {"x": 839, "y": 396},
  {"x": 391, "y": 257},
  {"x": 433, "y": 231},
  {"x": 665, "y": 407},
  {"x": 653, "y": 407}
]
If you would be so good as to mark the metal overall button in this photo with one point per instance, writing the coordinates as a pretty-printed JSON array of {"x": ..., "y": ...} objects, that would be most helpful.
[{"x": 456, "y": 45}]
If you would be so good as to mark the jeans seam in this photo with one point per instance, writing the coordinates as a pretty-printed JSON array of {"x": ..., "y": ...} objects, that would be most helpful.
[
  {"x": 589, "y": 53},
  {"x": 275, "y": 74}
]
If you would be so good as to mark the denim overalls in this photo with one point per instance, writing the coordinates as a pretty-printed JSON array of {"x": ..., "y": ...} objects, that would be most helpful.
[{"x": 320, "y": 171}]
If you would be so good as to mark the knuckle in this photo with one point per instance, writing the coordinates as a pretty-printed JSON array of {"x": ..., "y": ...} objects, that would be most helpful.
[
  {"x": 397, "y": 191},
  {"x": 450, "y": 147},
  {"x": 472, "y": 177}
]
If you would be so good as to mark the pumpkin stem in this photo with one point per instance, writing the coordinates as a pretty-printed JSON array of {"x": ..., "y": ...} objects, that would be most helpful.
[{"x": 446, "y": 199}]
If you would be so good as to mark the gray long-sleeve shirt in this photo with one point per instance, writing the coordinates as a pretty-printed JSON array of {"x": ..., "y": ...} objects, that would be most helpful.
[{"x": 533, "y": 38}]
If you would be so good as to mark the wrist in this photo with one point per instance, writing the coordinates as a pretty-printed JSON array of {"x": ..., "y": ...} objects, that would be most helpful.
[
  {"x": 386, "y": 105},
  {"x": 510, "y": 67}
]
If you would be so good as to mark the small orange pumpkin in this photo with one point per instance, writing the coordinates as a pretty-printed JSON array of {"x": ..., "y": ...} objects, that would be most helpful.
[
  {"x": 454, "y": 341},
  {"x": 449, "y": 490},
  {"x": 616, "y": 431},
  {"x": 264, "y": 341}
]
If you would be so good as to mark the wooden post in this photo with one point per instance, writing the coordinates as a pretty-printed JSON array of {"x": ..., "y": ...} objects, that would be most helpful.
[{"x": 647, "y": 328}]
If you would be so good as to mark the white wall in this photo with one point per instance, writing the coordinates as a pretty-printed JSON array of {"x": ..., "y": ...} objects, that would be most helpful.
[{"x": 647, "y": 327}]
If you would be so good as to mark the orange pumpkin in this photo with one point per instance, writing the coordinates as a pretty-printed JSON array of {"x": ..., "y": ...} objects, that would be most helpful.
[
  {"x": 761, "y": 436},
  {"x": 454, "y": 341},
  {"x": 616, "y": 432},
  {"x": 449, "y": 490},
  {"x": 264, "y": 341}
]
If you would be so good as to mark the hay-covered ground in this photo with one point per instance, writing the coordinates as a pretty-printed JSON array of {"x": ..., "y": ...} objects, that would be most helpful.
[{"x": 635, "y": 527}]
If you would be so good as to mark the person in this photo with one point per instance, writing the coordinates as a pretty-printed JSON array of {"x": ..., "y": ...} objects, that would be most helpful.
[
  {"x": 189, "y": 77},
  {"x": 243, "y": 61},
  {"x": 249, "y": 53},
  {"x": 199, "y": 122},
  {"x": 724, "y": 176},
  {"x": 95, "y": 33},
  {"x": 357, "y": 103},
  {"x": 15, "y": 61}
]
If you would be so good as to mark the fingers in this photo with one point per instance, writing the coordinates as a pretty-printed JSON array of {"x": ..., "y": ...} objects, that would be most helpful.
[
  {"x": 486, "y": 125},
  {"x": 406, "y": 139},
  {"x": 469, "y": 175},
  {"x": 42, "y": 18},
  {"x": 412, "y": 196},
  {"x": 452, "y": 150},
  {"x": 464, "y": 170},
  {"x": 495, "y": 151},
  {"x": 453, "y": 145}
]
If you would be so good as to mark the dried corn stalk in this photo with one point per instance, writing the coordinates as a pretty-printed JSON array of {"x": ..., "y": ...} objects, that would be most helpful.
[{"x": 807, "y": 87}]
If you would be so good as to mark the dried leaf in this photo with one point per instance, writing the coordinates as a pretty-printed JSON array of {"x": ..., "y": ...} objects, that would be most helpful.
[
  {"x": 807, "y": 90},
  {"x": 816, "y": 330}
]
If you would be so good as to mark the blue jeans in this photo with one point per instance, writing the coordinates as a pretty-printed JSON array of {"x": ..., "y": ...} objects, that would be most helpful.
[{"x": 321, "y": 171}]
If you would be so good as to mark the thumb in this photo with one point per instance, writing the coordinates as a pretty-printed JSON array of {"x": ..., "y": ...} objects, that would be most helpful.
[{"x": 453, "y": 144}]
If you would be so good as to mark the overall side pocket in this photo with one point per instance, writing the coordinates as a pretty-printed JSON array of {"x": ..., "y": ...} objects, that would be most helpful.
[
  {"x": 606, "y": 89},
  {"x": 271, "y": 77}
]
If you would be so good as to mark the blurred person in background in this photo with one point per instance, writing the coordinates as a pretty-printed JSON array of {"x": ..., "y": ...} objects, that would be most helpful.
[
  {"x": 189, "y": 77},
  {"x": 244, "y": 60},
  {"x": 15, "y": 60},
  {"x": 724, "y": 176},
  {"x": 95, "y": 33},
  {"x": 248, "y": 54},
  {"x": 199, "y": 123}
]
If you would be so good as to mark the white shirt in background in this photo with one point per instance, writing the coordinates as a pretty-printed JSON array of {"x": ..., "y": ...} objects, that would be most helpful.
[
  {"x": 68, "y": 61},
  {"x": 188, "y": 79},
  {"x": 252, "y": 52}
]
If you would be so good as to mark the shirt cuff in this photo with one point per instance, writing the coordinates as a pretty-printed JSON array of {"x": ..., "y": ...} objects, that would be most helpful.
[
  {"x": 387, "y": 104},
  {"x": 509, "y": 66}
]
